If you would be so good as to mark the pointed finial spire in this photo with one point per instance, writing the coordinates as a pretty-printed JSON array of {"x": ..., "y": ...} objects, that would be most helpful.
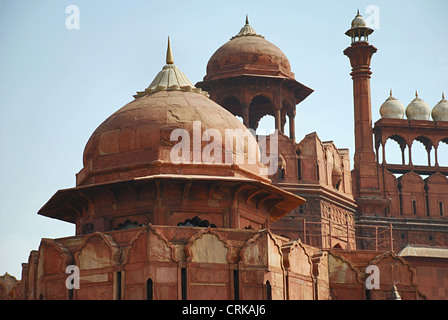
[
  {"x": 416, "y": 94},
  {"x": 390, "y": 96},
  {"x": 169, "y": 54},
  {"x": 358, "y": 12},
  {"x": 170, "y": 78},
  {"x": 443, "y": 95},
  {"x": 246, "y": 30}
]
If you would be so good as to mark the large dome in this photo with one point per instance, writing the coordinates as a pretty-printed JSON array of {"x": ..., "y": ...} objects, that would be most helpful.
[
  {"x": 250, "y": 54},
  {"x": 136, "y": 140}
]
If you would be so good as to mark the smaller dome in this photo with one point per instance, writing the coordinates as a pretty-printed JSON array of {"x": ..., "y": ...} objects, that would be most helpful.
[
  {"x": 359, "y": 21},
  {"x": 440, "y": 111},
  {"x": 418, "y": 109},
  {"x": 392, "y": 108},
  {"x": 248, "y": 53}
]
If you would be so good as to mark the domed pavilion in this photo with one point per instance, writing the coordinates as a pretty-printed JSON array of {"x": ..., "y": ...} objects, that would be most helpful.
[{"x": 251, "y": 77}]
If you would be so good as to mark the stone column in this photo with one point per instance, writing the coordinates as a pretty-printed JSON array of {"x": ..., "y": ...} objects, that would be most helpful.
[
  {"x": 278, "y": 119},
  {"x": 360, "y": 54},
  {"x": 292, "y": 125},
  {"x": 245, "y": 115}
]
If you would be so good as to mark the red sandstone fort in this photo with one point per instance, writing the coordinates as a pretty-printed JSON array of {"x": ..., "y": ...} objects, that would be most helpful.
[{"x": 147, "y": 228}]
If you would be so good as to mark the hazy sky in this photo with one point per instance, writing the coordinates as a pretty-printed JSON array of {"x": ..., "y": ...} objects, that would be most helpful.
[{"x": 57, "y": 85}]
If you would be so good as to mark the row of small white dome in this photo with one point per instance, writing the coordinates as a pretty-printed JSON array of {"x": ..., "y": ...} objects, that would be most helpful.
[{"x": 416, "y": 110}]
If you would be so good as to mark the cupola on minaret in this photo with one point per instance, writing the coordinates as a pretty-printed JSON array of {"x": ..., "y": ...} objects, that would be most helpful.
[{"x": 359, "y": 32}]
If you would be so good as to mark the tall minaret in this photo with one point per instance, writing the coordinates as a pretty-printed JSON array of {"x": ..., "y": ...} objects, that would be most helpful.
[{"x": 365, "y": 176}]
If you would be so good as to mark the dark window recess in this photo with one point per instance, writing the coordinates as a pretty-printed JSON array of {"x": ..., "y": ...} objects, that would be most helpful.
[
  {"x": 400, "y": 198},
  {"x": 368, "y": 296},
  {"x": 70, "y": 294},
  {"x": 268, "y": 290},
  {"x": 183, "y": 280},
  {"x": 128, "y": 224},
  {"x": 149, "y": 289},
  {"x": 88, "y": 228},
  {"x": 236, "y": 285},
  {"x": 281, "y": 174},
  {"x": 118, "y": 297},
  {"x": 338, "y": 184},
  {"x": 196, "y": 222}
]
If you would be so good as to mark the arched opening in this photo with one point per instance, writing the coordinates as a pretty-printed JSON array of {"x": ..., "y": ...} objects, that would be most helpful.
[
  {"x": 419, "y": 155},
  {"x": 421, "y": 152},
  {"x": 442, "y": 153},
  {"x": 261, "y": 106},
  {"x": 149, "y": 289},
  {"x": 285, "y": 128},
  {"x": 266, "y": 126},
  {"x": 395, "y": 153},
  {"x": 379, "y": 156}
]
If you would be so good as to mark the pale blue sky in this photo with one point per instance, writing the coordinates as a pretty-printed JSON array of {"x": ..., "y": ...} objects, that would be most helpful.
[{"x": 57, "y": 85}]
